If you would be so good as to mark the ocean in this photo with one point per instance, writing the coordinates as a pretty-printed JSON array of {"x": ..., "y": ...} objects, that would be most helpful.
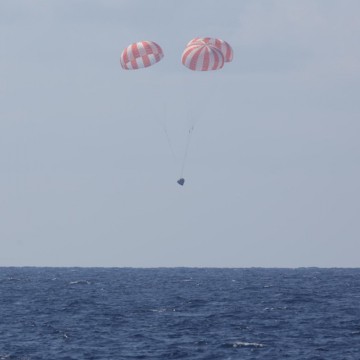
[{"x": 179, "y": 313}]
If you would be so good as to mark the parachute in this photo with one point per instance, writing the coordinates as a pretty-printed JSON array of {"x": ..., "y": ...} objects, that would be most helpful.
[
  {"x": 140, "y": 55},
  {"x": 200, "y": 56},
  {"x": 220, "y": 44}
]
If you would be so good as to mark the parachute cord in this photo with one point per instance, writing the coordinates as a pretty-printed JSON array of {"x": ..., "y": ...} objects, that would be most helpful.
[
  {"x": 164, "y": 127},
  {"x": 169, "y": 142},
  {"x": 186, "y": 150}
]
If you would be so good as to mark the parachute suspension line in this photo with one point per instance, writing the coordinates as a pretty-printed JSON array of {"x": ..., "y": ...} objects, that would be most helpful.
[
  {"x": 169, "y": 142},
  {"x": 168, "y": 139},
  {"x": 188, "y": 140}
]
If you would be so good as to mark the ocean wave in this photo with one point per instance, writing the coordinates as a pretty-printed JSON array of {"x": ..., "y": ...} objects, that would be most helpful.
[
  {"x": 247, "y": 344},
  {"x": 82, "y": 282},
  {"x": 146, "y": 314}
]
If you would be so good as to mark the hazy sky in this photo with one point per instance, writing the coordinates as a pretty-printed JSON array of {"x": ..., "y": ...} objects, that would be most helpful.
[{"x": 87, "y": 177}]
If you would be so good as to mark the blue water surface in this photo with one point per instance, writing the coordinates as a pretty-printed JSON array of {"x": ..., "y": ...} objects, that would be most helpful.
[{"x": 179, "y": 313}]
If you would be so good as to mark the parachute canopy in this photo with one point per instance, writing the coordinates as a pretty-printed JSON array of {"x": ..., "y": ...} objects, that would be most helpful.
[
  {"x": 201, "y": 56},
  {"x": 220, "y": 44},
  {"x": 140, "y": 55}
]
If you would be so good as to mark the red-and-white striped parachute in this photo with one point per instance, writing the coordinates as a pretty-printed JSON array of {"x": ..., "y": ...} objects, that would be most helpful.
[
  {"x": 140, "y": 55},
  {"x": 220, "y": 44},
  {"x": 202, "y": 57}
]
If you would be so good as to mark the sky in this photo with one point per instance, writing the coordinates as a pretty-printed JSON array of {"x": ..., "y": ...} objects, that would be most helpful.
[{"x": 88, "y": 178}]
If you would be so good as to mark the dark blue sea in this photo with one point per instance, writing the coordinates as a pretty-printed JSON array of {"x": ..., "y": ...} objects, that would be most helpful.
[{"x": 179, "y": 313}]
